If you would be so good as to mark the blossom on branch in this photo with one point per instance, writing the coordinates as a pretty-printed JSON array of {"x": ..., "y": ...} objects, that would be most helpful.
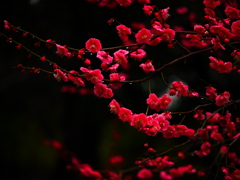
[
  {"x": 222, "y": 98},
  {"x": 220, "y": 66},
  {"x": 148, "y": 10},
  {"x": 93, "y": 45},
  {"x": 138, "y": 54},
  {"x": 178, "y": 88},
  {"x": 123, "y": 32},
  {"x": 211, "y": 3},
  {"x": 147, "y": 66},
  {"x": 101, "y": 90},
  {"x": 94, "y": 76},
  {"x": 143, "y": 36},
  {"x": 62, "y": 50},
  {"x": 104, "y": 57},
  {"x": 120, "y": 57},
  {"x": 76, "y": 80},
  {"x": 124, "y": 3},
  {"x": 59, "y": 75}
]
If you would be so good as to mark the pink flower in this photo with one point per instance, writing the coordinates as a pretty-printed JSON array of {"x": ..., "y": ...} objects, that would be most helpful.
[
  {"x": 93, "y": 45},
  {"x": 162, "y": 15},
  {"x": 167, "y": 115},
  {"x": 147, "y": 66},
  {"x": 76, "y": 80},
  {"x": 123, "y": 31},
  {"x": 217, "y": 44},
  {"x": 163, "y": 123},
  {"x": 113, "y": 68},
  {"x": 138, "y": 54},
  {"x": 120, "y": 57},
  {"x": 205, "y": 149},
  {"x": 164, "y": 101},
  {"x": 157, "y": 26},
  {"x": 180, "y": 171},
  {"x": 144, "y": 1},
  {"x": 211, "y": 3},
  {"x": 124, "y": 3},
  {"x": 232, "y": 12},
  {"x": 153, "y": 102},
  {"x": 214, "y": 119},
  {"x": 62, "y": 50},
  {"x": 222, "y": 32},
  {"x": 87, "y": 171},
  {"x": 209, "y": 12},
  {"x": 164, "y": 162},
  {"x": 101, "y": 90},
  {"x": 196, "y": 40},
  {"x": 125, "y": 114},
  {"x": 217, "y": 136},
  {"x": 235, "y": 175},
  {"x": 116, "y": 77},
  {"x": 137, "y": 25},
  {"x": 104, "y": 57},
  {"x": 114, "y": 106},
  {"x": 43, "y": 58},
  {"x": 189, "y": 133},
  {"x": 143, "y": 36},
  {"x": 192, "y": 94},
  {"x": 115, "y": 160},
  {"x": 94, "y": 76},
  {"x": 214, "y": 63},
  {"x": 224, "y": 67},
  {"x": 107, "y": 3},
  {"x": 220, "y": 66},
  {"x": 236, "y": 55},
  {"x": 179, "y": 88},
  {"x": 165, "y": 176},
  {"x": 139, "y": 120},
  {"x": 180, "y": 130},
  {"x": 182, "y": 10},
  {"x": 59, "y": 75},
  {"x": 211, "y": 92},
  {"x": 144, "y": 174},
  {"x": 169, "y": 133},
  {"x": 167, "y": 35},
  {"x": 199, "y": 29},
  {"x": 222, "y": 98},
  {"x": 203, "y": 133},
  {"x": 148, "y": 10},
  {"x": 49, "y": 43},
  {"x": 236, "y": 28},
  {"x": 7, "y": 25},
  {"x": 199, "y": 115},
  {"x": 80, "y": 53}
]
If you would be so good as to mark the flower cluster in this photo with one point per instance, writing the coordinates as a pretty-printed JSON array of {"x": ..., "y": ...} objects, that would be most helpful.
[{"x": 213, "y": 120}]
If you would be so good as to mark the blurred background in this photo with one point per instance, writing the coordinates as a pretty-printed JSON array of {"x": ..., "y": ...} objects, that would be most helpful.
[{"x": 35, "y": 108}]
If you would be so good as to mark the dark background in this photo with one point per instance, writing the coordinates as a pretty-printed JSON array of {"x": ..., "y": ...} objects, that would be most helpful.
[{"x": 33, "y": 108}]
